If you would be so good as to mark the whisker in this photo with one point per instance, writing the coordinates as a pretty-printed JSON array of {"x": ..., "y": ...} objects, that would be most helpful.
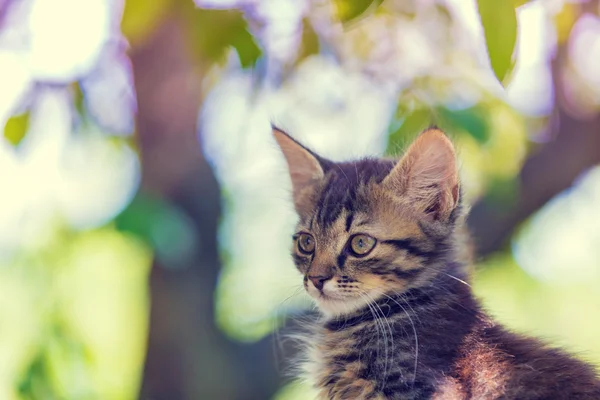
[
  {"x": 384, "y": 318},
  {"x": 378, "y": 324},
  {"x": 277, "y": 326},
  {"x": 416, "y": 336},
  {"x": 448, "y": 275},
  {"x": 342, "y": 171},
  {"x": 457, "y": 279}
]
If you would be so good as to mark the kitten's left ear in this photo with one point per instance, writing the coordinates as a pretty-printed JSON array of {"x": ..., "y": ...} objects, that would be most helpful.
[
  {"x": 427, "y": 174},
  {"x": 304, "y": 166}
]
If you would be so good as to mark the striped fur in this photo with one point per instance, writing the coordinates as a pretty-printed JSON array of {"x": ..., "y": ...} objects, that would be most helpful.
[{"x": 401, "y": 321}]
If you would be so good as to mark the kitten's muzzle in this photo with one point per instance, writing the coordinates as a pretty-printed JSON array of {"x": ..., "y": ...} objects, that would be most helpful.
[{"x": 319, "y": 280}]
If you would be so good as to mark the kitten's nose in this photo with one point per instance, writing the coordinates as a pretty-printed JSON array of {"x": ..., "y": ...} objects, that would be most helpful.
[{"x": 319, "y": 280}]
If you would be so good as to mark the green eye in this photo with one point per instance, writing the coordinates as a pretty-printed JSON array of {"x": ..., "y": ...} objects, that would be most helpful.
[
  {"x": 306, "y": 243},
  {"x": 361, "y": 245}
]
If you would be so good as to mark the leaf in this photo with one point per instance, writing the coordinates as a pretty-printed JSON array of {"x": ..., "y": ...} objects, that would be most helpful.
[
  {"x": 35, "y": 382},
  {"x": 564, "y": 21},
  {"x": 142, "y": 17},
  {"x": 519, "y": 3},
  {"x": 348, "y": 10},
  {"x": 473, "y": 120},
  {"x": 502, "y": 193},
  {"x": 405, "y": 128},
  {"x": 213, "y": 32},
  {"x": 16, "y": 128},
  {"x": 309, "y": 44},
  {"x": 161, "y": 225},
  {"x": 78, "y": 100},
  {"x": 247, "y": 49},
  {"x": 499, "y": 20}
]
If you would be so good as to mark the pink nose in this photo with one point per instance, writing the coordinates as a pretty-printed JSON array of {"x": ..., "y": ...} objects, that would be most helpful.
[{"x": 319, "y": 280}]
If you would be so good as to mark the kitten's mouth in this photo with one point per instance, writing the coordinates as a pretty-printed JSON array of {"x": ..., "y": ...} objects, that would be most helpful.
[
  {"x": 322, "y": 296},
  {"x": 337, "y": 304}
]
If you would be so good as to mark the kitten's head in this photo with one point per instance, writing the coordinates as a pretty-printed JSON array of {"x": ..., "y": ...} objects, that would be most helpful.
[{"x": 372, "y": 227}]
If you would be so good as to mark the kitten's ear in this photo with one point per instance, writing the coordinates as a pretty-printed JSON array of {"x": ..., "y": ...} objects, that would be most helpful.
[
  {"x": 427, "y": 174},
  {"x": 304, "y": 166}
]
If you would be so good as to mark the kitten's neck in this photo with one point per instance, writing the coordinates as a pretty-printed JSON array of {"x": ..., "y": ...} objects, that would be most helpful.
[{"x": 448, "y": 295}]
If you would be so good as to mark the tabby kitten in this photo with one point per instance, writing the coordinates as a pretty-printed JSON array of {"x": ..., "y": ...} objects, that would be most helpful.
[{"x": 379, "y": 245}]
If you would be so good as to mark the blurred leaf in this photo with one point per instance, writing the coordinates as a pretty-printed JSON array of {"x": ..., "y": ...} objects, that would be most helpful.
[
  {"x": 78, "y": 100},
  {"x": 499, "y": 20},
  {"x": 161, "y": 225},
  {"x": 502, "y": 193},
  {"x": 213, "y": 32},
  {"x": 407, "y": 127},
  {"x": 247, "y": 49},
  {"x": 348, "y": 10},
  {"x": 443, "y": 10},
  {"x": 101, "y": 306},
  {"x": 309, "y": 44},
  {"x": 472, "y": 120},
  {"x": 141, "y": 17},
  {"x": 16, "y": 128},
  {"x": 35, "y": 384},
  {"x": 139, "y": 217},
  {"x": 296, "y": 390},
  {"x": 68, "y": 361},
  {"x": 564, "y": 21},
  {"x": 519, "y": 3}
]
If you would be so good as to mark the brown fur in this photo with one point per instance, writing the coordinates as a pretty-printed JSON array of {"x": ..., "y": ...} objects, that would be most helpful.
[{"x": 400, "y": 320}]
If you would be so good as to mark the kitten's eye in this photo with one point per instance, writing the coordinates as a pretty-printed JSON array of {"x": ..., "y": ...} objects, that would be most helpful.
[
  {"x": 306, "y": 243},
  {"x": 361, "y": 245}
]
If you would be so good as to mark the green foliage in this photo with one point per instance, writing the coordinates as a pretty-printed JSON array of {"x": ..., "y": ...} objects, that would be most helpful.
[
  {"x": 35, "y": 383},
  {"x": 349, "y": 10},
  {"x": 162, "y": 226},
  {"x": 565, "y": 20},
  {"x": 16, "y": 127},
  {"x": 212, "y": 32},
  {"x": 519, "y": 3},
  {"x": 503, "y": 192},
  {"x": 557, "y": 312},
  {"x": 62, "y": 358},
  {"x": 472, "y": 120},
  {"x": 499, "y": 20},
  {"x": 142, "y": 17},
  {"x": 78, "y": 100},
  {"x": 71, "y": 298},
  {"x": 309, "y": 44},
  {"x": 406, "y": 127}
]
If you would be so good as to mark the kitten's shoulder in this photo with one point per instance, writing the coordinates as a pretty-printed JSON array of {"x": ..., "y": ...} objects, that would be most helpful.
[{"x": 497, "y": 362}]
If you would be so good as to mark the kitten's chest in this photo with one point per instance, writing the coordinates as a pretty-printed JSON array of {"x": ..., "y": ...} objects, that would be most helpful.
[
  {"x": 364, "y": 363},
  {"x": 337, "y": 373}
]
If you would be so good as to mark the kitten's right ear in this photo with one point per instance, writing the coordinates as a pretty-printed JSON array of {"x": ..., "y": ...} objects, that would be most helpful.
[
  {"x": 304, "y": 167},
  {"x": 427, "y": 175}
]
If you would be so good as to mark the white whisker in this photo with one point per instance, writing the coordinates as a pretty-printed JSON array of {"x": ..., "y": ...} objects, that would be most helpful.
[
  {"x": 277, "y": 342},
  {"x": 387, "y": 358},
  {"x": 378, "y": 324},
  {"x": 414, "y": 332},
  {"x": 455, "y": 278}
]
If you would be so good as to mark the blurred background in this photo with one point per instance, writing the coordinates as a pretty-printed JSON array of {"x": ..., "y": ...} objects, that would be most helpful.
[{"x": 145, "y": 215}]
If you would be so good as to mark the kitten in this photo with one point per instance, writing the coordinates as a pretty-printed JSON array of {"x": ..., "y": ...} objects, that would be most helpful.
[{"x": 379, "y": 245}]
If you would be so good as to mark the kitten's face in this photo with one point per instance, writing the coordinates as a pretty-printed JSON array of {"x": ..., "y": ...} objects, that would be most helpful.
[{"x": 364, "y": 231}]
